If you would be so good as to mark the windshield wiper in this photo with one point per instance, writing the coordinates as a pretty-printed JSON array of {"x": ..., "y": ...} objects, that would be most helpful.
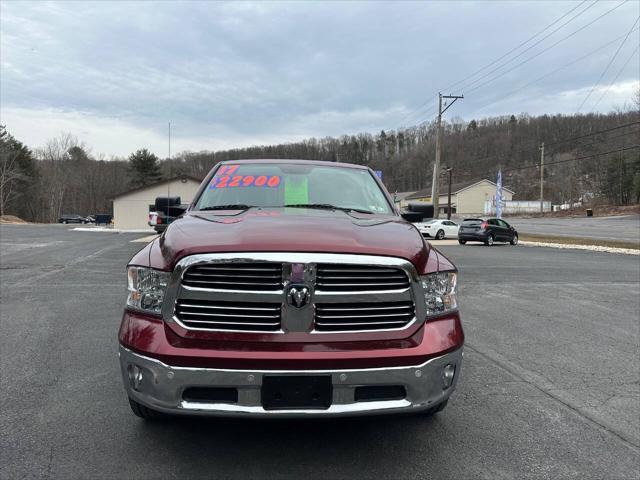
[
  {"x": 238, "y": 206},
  {"x": 327, "y": 206}
]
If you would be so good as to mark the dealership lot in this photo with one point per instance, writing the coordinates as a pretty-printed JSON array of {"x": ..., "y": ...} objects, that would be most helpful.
[
  {"x": 619, "y": 228},
  {"x": 550, "y": 386}
]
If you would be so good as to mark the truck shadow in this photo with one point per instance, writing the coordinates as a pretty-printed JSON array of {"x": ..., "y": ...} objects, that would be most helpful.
[{"x": 296, "y": 447}]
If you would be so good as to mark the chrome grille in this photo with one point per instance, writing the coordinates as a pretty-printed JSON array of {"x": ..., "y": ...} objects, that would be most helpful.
[
  {"x": 335, "y": 317},
  {"x": 248, "y": 292},
  {"x": 359, "y": 278},
  {"x": 235, "y": 276},
  {"x": 210, "y": 315}
]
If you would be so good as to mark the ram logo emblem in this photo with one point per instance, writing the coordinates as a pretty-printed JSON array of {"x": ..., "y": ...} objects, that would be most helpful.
[{"x": 298, "y": 296}]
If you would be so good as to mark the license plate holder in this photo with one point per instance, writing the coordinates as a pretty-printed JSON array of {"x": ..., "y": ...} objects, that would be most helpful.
[{"x": 283, "y": 392}]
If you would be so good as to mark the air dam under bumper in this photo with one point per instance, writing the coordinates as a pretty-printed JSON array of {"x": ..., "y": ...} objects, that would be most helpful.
[{"x": 161, "y": 387}]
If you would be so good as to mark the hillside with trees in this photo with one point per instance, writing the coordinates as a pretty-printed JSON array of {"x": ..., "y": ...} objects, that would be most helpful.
[{"x": 593, "y": 157}]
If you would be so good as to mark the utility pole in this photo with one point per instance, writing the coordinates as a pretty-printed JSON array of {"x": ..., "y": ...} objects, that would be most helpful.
[
  {"x": 449, "y": 171},
  {"x": 435, "y": 187},
  {"x": 169, "y": 182},
  {"x": 542, "y": 178}
]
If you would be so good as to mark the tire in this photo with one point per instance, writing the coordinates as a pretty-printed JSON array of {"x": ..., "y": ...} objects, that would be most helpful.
[
  {"x": 438, "y": 408},
  {"x": 144, "y": 412},
  {"x": 65, "y": 222},
  {"x": 462, "y": 242},
  {"x": 514, "y": 240},
  {"x": 440, "y": 235},
  {"x": 489, "y": 241}
]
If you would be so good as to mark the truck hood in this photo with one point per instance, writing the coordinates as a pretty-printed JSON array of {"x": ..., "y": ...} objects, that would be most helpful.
[{"x": 291, "y": 230}]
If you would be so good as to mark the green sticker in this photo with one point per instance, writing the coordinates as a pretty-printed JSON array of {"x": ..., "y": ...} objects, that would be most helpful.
[{"x": 296, "y": 190}]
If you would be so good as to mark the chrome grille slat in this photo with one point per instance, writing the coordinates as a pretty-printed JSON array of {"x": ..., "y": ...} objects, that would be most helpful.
[
  {"x": 227, "y": 275},
  {"x": 357, "y": 278},
  {"x": 364, "y": 316},
  {"x": 195, "y": 305},
  {"x": 234, "y": 324},
  {"x": 356, "y": 309},
  {"x": 378, "y": 284},
  {"x": 235, "y": 276},
  {"x": 361, "y": 324},
  {"x": 225, "y": 315},
  {"x": 237, "y": 315},
  {"x": 377, "y": 315}
]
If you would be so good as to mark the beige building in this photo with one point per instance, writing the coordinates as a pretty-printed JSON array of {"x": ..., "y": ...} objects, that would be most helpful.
[
  {"x": 131, "y": 209},
  {"x": 466, "y": 198}
]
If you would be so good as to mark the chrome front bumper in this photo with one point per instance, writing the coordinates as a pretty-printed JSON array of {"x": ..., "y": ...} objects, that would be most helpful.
[{"x": 160, "y": 387}]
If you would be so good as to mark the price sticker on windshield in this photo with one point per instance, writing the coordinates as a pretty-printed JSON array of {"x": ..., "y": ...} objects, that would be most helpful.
[{"x": 225, "y": 178}]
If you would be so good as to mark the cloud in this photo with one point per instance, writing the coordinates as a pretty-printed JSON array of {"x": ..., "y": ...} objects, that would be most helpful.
[{"x": 236, "y": 74}]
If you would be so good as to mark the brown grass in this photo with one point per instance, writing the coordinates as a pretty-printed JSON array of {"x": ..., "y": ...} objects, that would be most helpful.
[
  {"x": 598, "y": 211},
  {"x": 528, "y": 237},
  {"x": 11, "y": 219}
]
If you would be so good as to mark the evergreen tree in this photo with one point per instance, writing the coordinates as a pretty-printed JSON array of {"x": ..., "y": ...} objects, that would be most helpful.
[{"x": 143, "y": 168}]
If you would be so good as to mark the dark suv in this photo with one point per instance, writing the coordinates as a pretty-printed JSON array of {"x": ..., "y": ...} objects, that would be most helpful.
[
  {"x": 67, "y": 218},
  {"x": 487, "y": 231}
]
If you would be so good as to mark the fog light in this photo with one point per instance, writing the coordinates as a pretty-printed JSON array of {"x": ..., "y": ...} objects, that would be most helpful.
[
  {"x": 447, "y": 375},
  {"x": 135, "y": 376}
]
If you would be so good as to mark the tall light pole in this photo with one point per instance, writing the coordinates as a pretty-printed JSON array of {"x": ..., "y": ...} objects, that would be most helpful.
[{"x": 435, "y": 187}]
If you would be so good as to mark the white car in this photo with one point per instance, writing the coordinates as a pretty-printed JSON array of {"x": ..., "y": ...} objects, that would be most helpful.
[{"x": 438, "y": 229}]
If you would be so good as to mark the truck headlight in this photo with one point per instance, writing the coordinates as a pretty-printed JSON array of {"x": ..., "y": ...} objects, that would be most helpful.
[
  {"x": 146, "y": 288},
  {"x": 440, "y": 292}
]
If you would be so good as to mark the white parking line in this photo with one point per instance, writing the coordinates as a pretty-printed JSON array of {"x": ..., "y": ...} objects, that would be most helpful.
[{"x": 147, "y": 239}]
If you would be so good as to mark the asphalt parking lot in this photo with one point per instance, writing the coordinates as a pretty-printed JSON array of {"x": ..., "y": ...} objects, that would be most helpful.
[
  {"x": 550, "y": 386},
  {"x": 621, "y": 228}
]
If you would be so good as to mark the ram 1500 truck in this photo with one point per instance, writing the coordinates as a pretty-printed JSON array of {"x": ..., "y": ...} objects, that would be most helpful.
[{"x": 290, "y": 288}]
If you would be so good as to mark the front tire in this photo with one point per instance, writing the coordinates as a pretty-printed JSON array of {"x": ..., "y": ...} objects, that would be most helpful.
[
  {"x": 462, "y": 242},
  {"x": 440, "y": 235},
  {"x": 514, "y": 240},
  {"x": 489, "y": 241},
  {"x": 144, "y": 412}
]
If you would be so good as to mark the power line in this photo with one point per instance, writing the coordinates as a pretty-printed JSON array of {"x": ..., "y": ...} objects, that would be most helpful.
[
  {"x": 546, "y": 49},
  {"x": 618, "y": 127},
  {"x": 513, "y": 92},
  {"x": 415, "y": 111},
  {"x": 557, "y": 162},
  {"x": 593, "y": 142},
  {"x": 530, "y": 47},
  {"x": 516, "y": 48},
  {"x": 608, "y": 65},
  {"x": 566, "y": 140},
  {"x": 616, "y": 77},
  {"x": 619, "y": 150}
]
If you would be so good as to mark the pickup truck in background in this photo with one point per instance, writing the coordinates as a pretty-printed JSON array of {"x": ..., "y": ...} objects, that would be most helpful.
[
  {"x": 290, "y": 288},
  {"x": 167, "y": 209}
]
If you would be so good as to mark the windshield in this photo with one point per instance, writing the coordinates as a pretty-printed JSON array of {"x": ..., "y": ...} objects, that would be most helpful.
[{"x": 279, "y": 185}]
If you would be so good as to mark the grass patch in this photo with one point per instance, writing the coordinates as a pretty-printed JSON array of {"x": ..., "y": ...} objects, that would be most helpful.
[{"x": 528, "y": 237}]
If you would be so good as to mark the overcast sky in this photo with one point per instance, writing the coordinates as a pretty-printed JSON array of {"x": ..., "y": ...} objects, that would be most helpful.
[{"x": 237, "y": 74}]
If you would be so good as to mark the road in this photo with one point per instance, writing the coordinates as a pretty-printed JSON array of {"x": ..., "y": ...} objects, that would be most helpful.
[
  {"x": 550, "y": 387},
  {"x": 622, "y": 228}
]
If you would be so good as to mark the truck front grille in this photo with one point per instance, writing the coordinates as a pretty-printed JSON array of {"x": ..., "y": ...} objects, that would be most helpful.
[
  {"x": 262, "y": 292},
  {"x": 209, "y": 315},
  {"x": 359, "y": 278},
  {"x": 335, "y": 317},
  {"x": 235, "y": 276}
]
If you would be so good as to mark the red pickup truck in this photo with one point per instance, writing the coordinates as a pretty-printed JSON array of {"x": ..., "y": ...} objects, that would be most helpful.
[{"x": 290, "y": 288}]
